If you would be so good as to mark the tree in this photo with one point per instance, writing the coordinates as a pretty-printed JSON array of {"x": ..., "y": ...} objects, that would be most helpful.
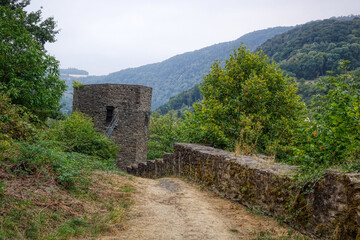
[
  {"x": 28, "y": 75},
  {"x": 249, "y": 102},
  {"x": 41, "y": 31}
]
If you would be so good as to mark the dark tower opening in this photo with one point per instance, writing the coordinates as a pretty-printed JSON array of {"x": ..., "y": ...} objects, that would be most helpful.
[{"x": 109, "y": 114}]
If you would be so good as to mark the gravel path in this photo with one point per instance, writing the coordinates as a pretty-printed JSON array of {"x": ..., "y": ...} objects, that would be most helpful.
[{"x": 171, "y": 209}]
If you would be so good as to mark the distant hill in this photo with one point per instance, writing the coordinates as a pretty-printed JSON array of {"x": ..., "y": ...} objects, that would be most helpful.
[
  {"x": 310, "y": 50},
  {"x": 306, "y": 52},
  {"x": 181, "y": 102},
  {"x": 73, "y": 71},
  {"x": 183, "y": 71}
]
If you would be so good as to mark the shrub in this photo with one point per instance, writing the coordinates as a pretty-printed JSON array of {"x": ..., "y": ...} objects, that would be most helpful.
[
  {"x": 77, "y": 84},
  {"x": 331, "y": 137},
  {"x": 78, "y": 135},
  {"x": 71, "y": 169},
  {"x": 14, "y": 121},
  {"x": 32, "y": 158},
  {"x": 248, "y": 93},
  {"x": 163, "y": 132}
]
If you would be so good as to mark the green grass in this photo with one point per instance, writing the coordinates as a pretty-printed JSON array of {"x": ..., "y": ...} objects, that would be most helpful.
[
  {"x": 270, "y": 235},
  {"x": 126, "y": 188}
]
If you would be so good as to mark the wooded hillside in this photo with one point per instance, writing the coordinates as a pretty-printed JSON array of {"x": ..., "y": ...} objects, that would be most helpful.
[{"x": 310, "y": 50}]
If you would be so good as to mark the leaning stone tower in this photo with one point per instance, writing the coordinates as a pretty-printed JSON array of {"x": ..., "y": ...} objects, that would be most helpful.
[{"x": 120, "y": 111}]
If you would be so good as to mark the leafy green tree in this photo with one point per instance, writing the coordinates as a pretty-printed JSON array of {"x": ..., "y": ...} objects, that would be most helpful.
[
  {"x": 28, "y": 75},
  {"x": 41, "y": 31},
  {"x": 248, "y": 101}
]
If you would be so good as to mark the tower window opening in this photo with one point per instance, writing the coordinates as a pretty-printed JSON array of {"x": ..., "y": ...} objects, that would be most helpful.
[{"x": 109, "y": 114}]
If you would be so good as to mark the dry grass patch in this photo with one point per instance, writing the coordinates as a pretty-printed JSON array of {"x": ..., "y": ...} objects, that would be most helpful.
[{"x": 36, "y": 207}]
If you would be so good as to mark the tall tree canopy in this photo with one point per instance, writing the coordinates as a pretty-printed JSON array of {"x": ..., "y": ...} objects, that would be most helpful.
[
  {"x": 249, "y": 101},
  {"x": 28, "y": 74}
]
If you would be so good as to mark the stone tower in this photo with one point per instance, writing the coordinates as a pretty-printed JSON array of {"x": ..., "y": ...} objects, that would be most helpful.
[{"x": 120, "y": 111}]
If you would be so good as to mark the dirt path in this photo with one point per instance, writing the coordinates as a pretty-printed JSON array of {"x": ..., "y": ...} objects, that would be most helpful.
[{"x": 171, "y": 209}]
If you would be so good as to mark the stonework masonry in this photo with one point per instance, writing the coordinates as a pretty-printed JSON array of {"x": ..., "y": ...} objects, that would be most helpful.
[
  {"x": 102, "y": 102},
  {"x": 328, "y": 210}
]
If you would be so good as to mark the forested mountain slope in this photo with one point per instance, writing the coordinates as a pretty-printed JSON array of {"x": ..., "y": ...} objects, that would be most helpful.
[
  {"x": 312, "y": 49},
  {"x": 183, "y": 71},
  {"x": 307, "y": 51},
  {"x": 182, "y": 101}
]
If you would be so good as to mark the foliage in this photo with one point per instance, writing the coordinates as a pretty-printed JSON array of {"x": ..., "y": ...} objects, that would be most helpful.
[
  {"x": 78, "y": 135},
  {"x": 77, "y": 84},
  {"x": 163, "y": 132},
  {"x": 14, "y": 122},
  {"x": 312, "y": 49},
  {"x": 308, "y": 88},
  {"x": 249, "y": 93},
  {"x": 33, "y": 156},
  {"x": 249, "y": 135},
  {"x": 28, "y": 74},
  {"x": 46, "y": 156},
  {"x": 331, "y": 136},
  {"x": 2, "y": 190},
  {"x": 42, "y": 31}
]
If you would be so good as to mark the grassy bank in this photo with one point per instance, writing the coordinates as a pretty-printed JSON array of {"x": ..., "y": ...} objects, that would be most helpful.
[{"x": 58, "y": 182}]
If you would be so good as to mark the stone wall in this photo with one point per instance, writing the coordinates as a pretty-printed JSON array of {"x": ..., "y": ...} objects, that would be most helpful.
[
  {"x": 101, "y": 101},
  {"x": 329, "y": 210}
]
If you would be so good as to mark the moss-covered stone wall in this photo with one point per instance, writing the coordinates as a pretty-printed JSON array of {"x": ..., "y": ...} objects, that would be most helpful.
[{"x": 329, "y": 210}]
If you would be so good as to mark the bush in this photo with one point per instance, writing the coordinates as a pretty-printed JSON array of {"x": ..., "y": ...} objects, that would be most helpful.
[
  {"x": 14, "y": 121},
  {"x": 163, "y": 132},
  {"x": 331, "y": 137},
  {"x": 77, "y": 134},
  {"x": 249, "y": 101},
  {"x": 71, "y": 169}
]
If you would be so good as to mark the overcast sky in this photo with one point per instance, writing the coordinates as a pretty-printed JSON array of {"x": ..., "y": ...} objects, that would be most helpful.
[{"x": 109, "y": 35}]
